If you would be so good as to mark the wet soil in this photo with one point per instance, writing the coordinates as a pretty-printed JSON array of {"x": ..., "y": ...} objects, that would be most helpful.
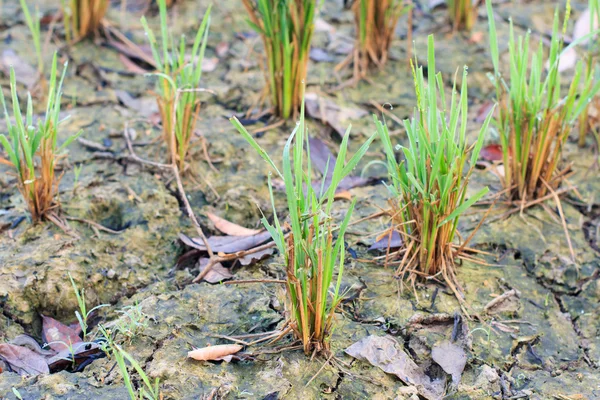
[{"x": 543, "y": 342}]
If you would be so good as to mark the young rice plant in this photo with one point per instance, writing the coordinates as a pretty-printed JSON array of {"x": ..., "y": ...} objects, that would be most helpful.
[
  {"x": 534, "y": 119},
  {"x": 178, "y": 79},
  {"x": 81, "y": 18},
  {"x": 313, "y": 248},
  {"x": 592, "y": 52},
  {"x": 34, "y": 27},
  {"x": 429, "y": 187},
  {"x": 286, "y": 28},
  {"x": 33, "y": 150},
  {"x": 375, "y": 22}
]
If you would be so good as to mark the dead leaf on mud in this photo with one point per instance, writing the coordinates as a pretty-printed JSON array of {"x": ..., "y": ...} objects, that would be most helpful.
[
  {"x": 386, "y": 240},
  {"x": 229, "y": 228},
  {"x": 76, "y": 358},
  {"x": 491, "y": 152},
  {"x": 221, "y": 352},
  {"x": 253, "y": 258},
  {"x": 22, "y": 360},
  {"x": 218, "y": 273},
  {"x": 227, "y": 244},
  {"x": 452, "y": 358},
  {"x": 325, "y": 109},
  {"x": 384, "y": 352},
  {"x": 57, "y": 335}
]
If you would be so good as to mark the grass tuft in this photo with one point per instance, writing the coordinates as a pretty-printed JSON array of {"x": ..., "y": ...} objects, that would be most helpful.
[
  {"x": 534, "y": 118},
  {"x": 313, "y": 248},
  {"x": 178, "y": 72},
  {"x": 32, "y": 148},
  {"x": 430, "y": 184},
  {"x": 463, "y": 14},
  {"x": 592, "y": 53},
  {"x": 81, "y": 18},
  {"x": 286, "y": 28},
  {"x": 375, "y": 22}
]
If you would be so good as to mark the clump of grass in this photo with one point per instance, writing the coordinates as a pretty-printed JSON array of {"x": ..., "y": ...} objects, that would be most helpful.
[
  {"x": 33, "y": 150},
  {"x": 312, "y": 254},
  {"x": 375, "y": 22},
  {"x": 534, "y": 118},
  {"x": 286, "y": 28},
  {"x": 593, "y": 50},
  {"x": 178, "y": 82},
  {"x": 463, "y": 14},
  {"x": 429, "y": 186},
  {"x": 81, "y": 18}
]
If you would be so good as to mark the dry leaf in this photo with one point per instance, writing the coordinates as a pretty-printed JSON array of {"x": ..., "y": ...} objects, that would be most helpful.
[
  {"x": 249, "y": 259},
  {"x": 452, "y": 358},
  {"x": 229, "y": 228},
  {"x": 384, "y": 241},
  {"x": 384, "y": 352},
  {"x": 22, "y": 360},
  {"x": 227, "y": 244},
  {"x": 215, "y": 353},
  {"x": 58, "y": 335},
  {"x": 218, "y": 273}
]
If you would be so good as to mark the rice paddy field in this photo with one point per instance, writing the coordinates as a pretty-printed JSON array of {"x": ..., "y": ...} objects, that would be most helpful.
[{"x": 365, "y": 283}]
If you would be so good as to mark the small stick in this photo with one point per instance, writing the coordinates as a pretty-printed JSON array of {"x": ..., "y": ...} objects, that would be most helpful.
[
  {"x": 319, "y": 371},
  {"x": 244, "y": 281},
  {"x": 94, "y": 224}
]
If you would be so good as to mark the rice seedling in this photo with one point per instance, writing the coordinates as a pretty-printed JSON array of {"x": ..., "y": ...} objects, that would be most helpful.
[
  {"x": 592, "y": 52},
  {"x": 83, "y": 315},
  {"x": 147, "y": 389},
  {"x": 33, "y": 150},
  {"x": 286, "y": 28},
  {"x": 534, "y": 119},
  {"x": 463, "y": 14},
  {"x": 375, "y": 22},
  {"x": 429, "y": 186},
  {"x": 81, "y": 18},
  {"x": 312, "y": 254},
  {"x": 178, "y": 72},
  {"x": 34, "y": 27}
]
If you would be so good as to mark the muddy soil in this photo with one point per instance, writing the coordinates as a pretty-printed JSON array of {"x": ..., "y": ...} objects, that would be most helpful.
[{"x": 542, "y": 342}]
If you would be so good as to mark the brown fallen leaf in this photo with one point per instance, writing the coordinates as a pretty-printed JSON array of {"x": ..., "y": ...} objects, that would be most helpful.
[
  {"x": 215, "y": 353},
  {"x": 227, "y": 244},
  {"x": 384, "y": 352},
  {"x": 229, "y": 228},
  {"x": 57, "y": 335},
  {"x": 22, "y": 360},
  {"x": 452, "y": 358},
  {"x": 253, "y": 258},
  {"x": 218, "y": 273},
  {"x": 384, "y": 241},
  {"x": 491, "y": 152}
]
